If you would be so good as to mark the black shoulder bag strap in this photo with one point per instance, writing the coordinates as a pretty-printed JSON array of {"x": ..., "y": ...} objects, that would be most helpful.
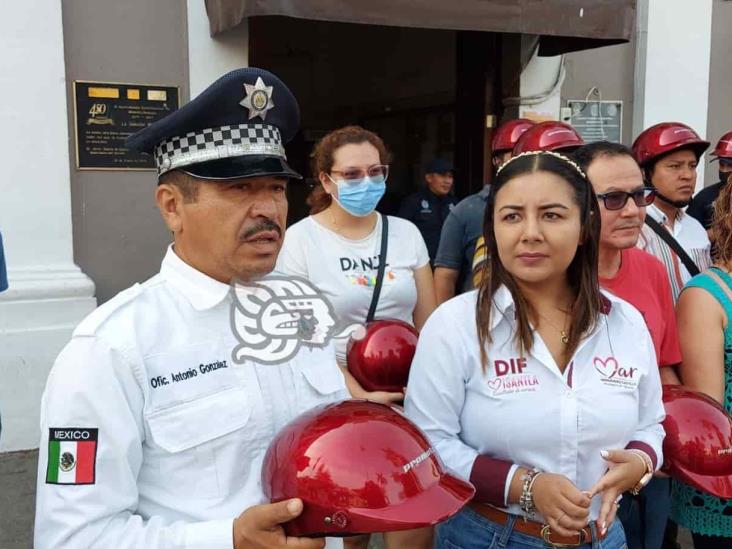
[
  {"x": 382, "y": 268},
  {"x": 668, "y": 238}
]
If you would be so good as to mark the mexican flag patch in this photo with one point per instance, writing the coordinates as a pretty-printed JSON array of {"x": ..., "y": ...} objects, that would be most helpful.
[{"x": 72, "y": 455}]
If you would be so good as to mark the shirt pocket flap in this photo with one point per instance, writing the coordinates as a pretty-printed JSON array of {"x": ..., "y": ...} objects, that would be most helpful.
[
  {"x": 324, "y": 376},
  {"x": 189, "y": 424}
]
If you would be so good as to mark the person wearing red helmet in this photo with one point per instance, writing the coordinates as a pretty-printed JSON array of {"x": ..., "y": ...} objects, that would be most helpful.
[
  {"x": 549, "y": 136},
  {"x": 505, "y": 138},
  {"x": 702, "y": 205},
  {"x": 668, "y": 154},
  {"x": 704, "y": 313},
  {"x": 537, "y": 382},
  {"x": 461, "y": 244}
]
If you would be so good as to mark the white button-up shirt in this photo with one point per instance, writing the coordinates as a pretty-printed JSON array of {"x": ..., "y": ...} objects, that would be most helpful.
[
  {"x": 693, "y": 239},
  {"x": 182, "y": 429},
  {"x": 525, "y": 410}
]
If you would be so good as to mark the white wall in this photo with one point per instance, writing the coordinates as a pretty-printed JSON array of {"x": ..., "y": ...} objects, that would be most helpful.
[
  {"x": 209, "y": 58},
  {"x": 48, "y": 294},
  {"x": 673, "y": 60},
  {"x": 541, "y": 86}
]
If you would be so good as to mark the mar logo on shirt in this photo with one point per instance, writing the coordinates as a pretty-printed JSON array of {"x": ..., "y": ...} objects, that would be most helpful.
[
  {"x": 611, "y": 373},
  {"x": 511, "y": 377}
]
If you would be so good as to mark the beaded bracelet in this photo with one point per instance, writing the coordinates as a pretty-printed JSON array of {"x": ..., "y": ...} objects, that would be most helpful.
[{"x": 526, "y": 501}]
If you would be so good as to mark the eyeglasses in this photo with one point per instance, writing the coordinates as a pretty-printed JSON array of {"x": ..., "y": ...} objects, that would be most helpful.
[
  {"x": 616, "y": 200},
  {"x": 355, "y": 174}
]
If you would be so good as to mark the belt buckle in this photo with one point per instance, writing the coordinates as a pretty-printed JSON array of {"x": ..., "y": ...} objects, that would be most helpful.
[{"x": 546, "y": 533}]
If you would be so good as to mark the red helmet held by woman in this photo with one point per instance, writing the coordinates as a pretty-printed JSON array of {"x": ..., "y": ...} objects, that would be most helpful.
[
  {"x": 664, "y": 138},
  {"x": 549, "y": 136},
  {"x": 698, "y": 445},
  {"x": 508, "y": 133},
  {"x": 359, "y": 467},
  {"x": 380, "y": 356}
]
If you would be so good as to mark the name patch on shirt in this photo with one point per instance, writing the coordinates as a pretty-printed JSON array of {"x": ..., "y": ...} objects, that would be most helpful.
[
  {"x": 511, "y": 377},
  {"x": 185, "y": 375},
  {"x": 615, "y": 375}
]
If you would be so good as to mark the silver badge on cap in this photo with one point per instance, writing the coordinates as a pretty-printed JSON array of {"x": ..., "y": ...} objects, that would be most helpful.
[{"x": 258, "y": 99}]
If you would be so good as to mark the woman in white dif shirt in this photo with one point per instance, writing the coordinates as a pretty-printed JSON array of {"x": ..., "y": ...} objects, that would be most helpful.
[
  {"x": 337, "y": 249},
  {"x": 538, "y": 388}
]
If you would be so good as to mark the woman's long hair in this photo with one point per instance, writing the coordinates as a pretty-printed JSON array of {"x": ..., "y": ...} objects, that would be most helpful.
[
  {"x": 722, "y": 226},
  {"x": 581, "y": 273}
]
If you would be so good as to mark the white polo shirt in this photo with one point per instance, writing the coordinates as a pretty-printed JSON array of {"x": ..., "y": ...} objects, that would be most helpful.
[
  {"x": 175, "y": 431},
  {"x": 693, "y": 239},
  {"x": 524, "y": 410}
]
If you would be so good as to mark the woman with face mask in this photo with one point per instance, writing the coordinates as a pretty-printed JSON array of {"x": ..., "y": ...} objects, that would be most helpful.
[
  {"x": 337, "y": 249},
  {"x": 539, "y": 388}
]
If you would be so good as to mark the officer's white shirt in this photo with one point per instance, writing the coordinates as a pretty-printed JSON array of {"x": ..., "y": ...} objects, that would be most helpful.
[
  {"x": 533, "y": 415},
  {"x": 175, "y": 463}
]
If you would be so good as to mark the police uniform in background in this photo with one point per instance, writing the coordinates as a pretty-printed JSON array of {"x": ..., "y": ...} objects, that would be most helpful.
[
  {"x": 429, "y": 207},
  {"x": 152, "y": 435}
]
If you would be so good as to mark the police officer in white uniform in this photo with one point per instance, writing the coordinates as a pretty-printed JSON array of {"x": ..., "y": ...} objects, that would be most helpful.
[{"x": 153, "y": 434}]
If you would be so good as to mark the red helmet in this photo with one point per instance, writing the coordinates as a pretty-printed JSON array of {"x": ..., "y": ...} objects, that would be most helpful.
[
  {"x": 698, "y": 443},
  {"x": 508, "y": 133},
  {"x": 379, "y": 357},
  {"x": 359, "y": 467},
  {"x": 664, "y": 138},
  {"x": 549, "y": 136},
  {"x": 724, "y": 147}
]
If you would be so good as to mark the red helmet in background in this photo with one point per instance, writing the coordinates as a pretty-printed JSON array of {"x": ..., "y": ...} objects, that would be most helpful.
[
  {"x": 664, "y": 138},
  {"x": 698, "y": 444},
  {"x": 359, "y": 467},
  {"x": 549, "y": 136},
  {"x": 380, "y": 356},
  {"x": 724, "y": 147},
  {"x": 508, "y": 133}
]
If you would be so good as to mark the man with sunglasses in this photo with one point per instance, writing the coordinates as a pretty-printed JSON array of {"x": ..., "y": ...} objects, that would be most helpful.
[{"x": 640, "y": 279}]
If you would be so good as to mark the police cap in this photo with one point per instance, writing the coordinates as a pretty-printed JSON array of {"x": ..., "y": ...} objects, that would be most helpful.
[{"x": 235, "y": 128}]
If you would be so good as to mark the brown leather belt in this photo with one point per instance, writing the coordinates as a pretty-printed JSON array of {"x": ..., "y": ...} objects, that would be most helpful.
[{"x": 535, "y": 529}]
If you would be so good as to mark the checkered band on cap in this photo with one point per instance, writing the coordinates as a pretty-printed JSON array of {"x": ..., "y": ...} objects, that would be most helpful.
[{"x": 217, "y": 143}]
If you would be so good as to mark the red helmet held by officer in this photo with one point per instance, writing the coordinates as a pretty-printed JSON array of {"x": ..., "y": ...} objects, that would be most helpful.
[
  {"x": 359, "y": 467},
  {"x": 380, "y": 356},
  {"x": 549, "y": 136},
  {"x": 698, "y": 445},
  {"x": 661, "y": 139},
  {"x": 508, "y": 133}
]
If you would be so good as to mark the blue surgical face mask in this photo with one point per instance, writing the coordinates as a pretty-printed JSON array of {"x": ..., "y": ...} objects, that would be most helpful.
[{"x": 359, "y": 197}]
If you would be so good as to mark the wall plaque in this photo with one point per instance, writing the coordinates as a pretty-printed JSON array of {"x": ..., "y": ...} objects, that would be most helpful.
[
  {"x": 597, "y": 120},
  {"x": 105, "y": 114}
]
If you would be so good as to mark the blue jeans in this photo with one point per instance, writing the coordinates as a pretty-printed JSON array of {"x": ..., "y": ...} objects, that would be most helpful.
[
  {"x": 469, "y": 530},
  {"x": 644, "y": 516}
]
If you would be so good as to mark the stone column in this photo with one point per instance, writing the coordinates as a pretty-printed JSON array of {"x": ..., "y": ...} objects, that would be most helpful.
[{"x": 48, "y": 293}]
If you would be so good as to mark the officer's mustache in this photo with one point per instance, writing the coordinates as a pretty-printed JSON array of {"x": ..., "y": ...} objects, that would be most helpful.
[{"x": 264, "y": 225}]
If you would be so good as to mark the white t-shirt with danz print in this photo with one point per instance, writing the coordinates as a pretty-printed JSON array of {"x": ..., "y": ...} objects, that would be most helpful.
[{"x": 345, "y": 270}]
